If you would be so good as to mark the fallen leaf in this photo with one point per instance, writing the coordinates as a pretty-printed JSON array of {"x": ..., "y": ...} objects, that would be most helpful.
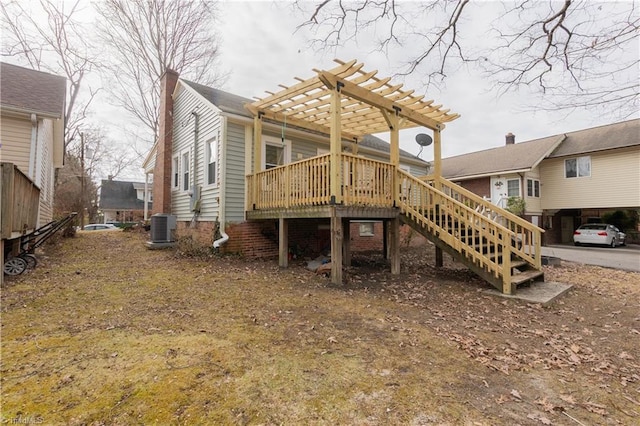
[{"x": 516, "y": 394}]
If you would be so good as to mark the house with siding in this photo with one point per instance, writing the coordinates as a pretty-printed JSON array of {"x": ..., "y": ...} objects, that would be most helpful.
[
  {"x": 565, "y": 180},
  {"x": 123, "y": 201},
  {"x": 32, "y": 121},
  {"x": 205, "y": 150}
]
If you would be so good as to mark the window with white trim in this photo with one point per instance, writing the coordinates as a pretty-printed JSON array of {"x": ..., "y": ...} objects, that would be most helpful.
[
  {"x": 185, "y": 171},
  {"x": 175, "y": 172},
  {"x": 275, "y": 153},
  {"x": 533, "y": 188},
  {"x": 577, "y": 167},
  {"x": 513, "y": 187},
  {"x": 212, "y": 154}
]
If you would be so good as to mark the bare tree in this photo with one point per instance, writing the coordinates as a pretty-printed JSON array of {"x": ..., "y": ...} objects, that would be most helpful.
[
  {"x": 144, "y": 38},
  {"x": 50, "y": 37},
  {"x": 576, "y": 54}
]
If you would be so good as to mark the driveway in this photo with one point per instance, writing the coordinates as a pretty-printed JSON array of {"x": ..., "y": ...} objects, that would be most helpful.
[{"x": 626, "y": 258}]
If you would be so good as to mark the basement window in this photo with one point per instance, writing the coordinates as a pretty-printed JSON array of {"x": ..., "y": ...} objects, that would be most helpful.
[{"x": 366, "y": 229}]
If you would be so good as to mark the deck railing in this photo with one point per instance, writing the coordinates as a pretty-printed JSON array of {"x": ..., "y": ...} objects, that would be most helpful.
[
  {"x": 306, "y": 183},
  {"x": 529, "y": 236},
  {"x": 20, "y": 202},
  {"x": 461, "y": 227}
]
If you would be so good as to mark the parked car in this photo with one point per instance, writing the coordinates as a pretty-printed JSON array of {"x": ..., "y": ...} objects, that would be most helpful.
[
  {"x": 100, "y": 227},
  {"x": 599, "y": 233}
]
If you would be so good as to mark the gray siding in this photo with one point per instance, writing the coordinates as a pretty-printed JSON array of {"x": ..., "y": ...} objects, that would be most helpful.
[
  {"x": 234, "y": 173},
  {"x": 209, "y": 126}
]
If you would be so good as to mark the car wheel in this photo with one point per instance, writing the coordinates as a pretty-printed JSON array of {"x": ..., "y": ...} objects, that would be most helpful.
[
  {"x": 613, "y": 243},
  {"x": 576, "y": 244}
]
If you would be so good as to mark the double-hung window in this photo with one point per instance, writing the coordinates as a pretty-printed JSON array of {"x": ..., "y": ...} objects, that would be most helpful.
[
  {"x": 513, "y": 187},
  {"x": 212, "y": 155},
  {"x": 175, "y": 172},
  {"x": 577, "y": 167},
  {"x": 533, "y": 188},
  {"x": 185, "y": 171}
]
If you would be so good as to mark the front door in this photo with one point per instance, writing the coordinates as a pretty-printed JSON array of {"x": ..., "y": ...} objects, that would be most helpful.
[{"x": 499, "y": 191}]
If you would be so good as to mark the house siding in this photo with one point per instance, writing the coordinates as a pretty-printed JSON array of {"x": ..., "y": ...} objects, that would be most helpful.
[
  {"x": 209, "y": 126},
  {"x": 16, "y": 142},
  {"x": 614, "y": 182},
  {"x": 234, "y": 173}
]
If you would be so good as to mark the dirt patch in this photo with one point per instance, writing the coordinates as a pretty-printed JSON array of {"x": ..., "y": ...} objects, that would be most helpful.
[{"x": 107, "y": 332}]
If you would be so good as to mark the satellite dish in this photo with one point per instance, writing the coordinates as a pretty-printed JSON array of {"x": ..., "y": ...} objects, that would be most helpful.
[{"x": 423, "y": 139}]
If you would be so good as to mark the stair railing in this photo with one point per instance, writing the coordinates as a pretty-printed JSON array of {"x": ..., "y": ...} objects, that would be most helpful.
[{"x": 480, "y": 239}]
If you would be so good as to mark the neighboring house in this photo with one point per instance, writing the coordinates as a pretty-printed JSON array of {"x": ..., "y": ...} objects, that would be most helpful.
[
  {"x": 565, "y": 180},
  {"x": 122, "y": 201},
  {"x": 32, "y": 105},
  {"x": 201, "y": 161}
]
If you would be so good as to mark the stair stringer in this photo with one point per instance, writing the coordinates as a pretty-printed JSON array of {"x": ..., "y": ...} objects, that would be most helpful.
[{"x": 456, "y": 255}]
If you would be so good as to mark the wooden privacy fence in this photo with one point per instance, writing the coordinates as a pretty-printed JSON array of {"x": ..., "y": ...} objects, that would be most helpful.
[{"x": 20, "y": 202}]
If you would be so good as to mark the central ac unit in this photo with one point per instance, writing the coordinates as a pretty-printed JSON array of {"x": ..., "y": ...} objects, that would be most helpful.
[{"x": 162, "y": 227}]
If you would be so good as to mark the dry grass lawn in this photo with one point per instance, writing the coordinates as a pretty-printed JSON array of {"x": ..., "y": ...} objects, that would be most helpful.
[{"x": 105, "y": 332}]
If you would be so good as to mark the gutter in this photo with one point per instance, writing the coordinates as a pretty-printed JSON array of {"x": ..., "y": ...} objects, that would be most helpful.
[{"x": 222, "y": 146}]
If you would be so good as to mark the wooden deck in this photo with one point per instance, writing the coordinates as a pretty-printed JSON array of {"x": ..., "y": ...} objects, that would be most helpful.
[{"x": 501, "y": 247}]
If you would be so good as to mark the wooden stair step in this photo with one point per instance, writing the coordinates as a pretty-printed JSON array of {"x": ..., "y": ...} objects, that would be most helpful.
[
  {"x": 518, "y": 264},
  {"x": 526, "y": 276}
]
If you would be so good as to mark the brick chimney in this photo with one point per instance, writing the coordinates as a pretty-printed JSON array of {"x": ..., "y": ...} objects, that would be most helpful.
[
  {"x": 162, "y": 170},
  {"x": 510, "y": 138}
]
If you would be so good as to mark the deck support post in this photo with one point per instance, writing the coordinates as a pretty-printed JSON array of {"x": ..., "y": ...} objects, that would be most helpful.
[
  {"x": 439, "y": 258},
  {"x": 283, "y": 242},
  {"x": 394, "y": 245},
  {"x": 346, "y": 242},
  {"x": 385, "y": 239},
  {"x": 336, "y": 248}
]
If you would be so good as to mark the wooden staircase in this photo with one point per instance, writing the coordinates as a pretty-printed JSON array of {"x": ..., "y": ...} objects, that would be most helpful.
[{"x": 497, "y": 245}]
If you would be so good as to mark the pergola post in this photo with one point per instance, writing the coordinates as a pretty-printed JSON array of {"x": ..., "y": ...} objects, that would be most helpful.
[
  {"x": 335, "y": 146},
  {"x": 257, "y": 154},
  {"x": 437, "y": 157}
]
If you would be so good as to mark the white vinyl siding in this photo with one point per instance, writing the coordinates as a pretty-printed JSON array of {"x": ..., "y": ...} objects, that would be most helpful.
[
  {"x": 234, "y": 174},
  {"x": 614, "y": 182},
  {"x": 16, "y": 142}
]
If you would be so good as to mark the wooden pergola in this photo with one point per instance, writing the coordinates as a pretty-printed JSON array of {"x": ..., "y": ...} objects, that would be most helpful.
[{"x": 346, "y": 103}]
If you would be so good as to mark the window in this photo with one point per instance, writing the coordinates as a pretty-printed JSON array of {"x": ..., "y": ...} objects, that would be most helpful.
[
  {"x": 212, "y": 153},
  {"x": 533, "y": 188},
  {"x": 577, "y": 167},
  {"x": 175, "y": 172},
  {"x": 185, "y": 171},
  {"x": 366, "y": 229},
  {"x": 275, "y": 153},
  {"x": 513, "y": 187}
]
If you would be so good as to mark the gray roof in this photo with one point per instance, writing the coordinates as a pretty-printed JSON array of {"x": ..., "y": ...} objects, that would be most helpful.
[
  {"x": 32, "y": 91},
  {"x": 526, "y": 155},
  {"x": 228, "y": 102},
  {"x": 119, "y": 195},
  {"x": 612, "y": 136}
]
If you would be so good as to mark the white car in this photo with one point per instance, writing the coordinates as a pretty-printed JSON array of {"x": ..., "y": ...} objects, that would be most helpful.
[
  {"x": 100, "y": 227},
  {"x": 599, "y": 233}
]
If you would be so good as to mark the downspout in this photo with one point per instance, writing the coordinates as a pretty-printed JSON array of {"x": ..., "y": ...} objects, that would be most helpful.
[
  {"x": 34, "y": 147},
  {"x": 222, "y": 146}
]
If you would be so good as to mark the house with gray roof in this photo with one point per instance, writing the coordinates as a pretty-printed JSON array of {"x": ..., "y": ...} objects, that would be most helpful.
[
  {"x": 565, "y": 180},
  {"x": 32, "y": 121},
  {"x": 204, "y": 152},
  {"x": 123, "y": 201}
]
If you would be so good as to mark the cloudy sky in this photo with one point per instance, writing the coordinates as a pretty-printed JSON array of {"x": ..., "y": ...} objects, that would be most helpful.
[{"x": 261, "y": 49}]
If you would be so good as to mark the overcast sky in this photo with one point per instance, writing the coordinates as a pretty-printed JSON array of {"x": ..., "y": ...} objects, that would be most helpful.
[{"x": 261, "y": 49}]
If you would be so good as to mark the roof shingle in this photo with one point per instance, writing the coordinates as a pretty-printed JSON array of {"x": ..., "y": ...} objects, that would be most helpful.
[{"x": 32, "y": 91}]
